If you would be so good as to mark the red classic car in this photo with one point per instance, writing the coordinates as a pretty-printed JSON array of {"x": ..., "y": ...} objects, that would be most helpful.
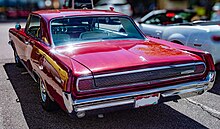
[{"x": 93, "y": 60}]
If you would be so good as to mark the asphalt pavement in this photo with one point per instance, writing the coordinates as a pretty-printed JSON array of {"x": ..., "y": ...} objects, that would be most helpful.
[{"x": 20, "y": 106}]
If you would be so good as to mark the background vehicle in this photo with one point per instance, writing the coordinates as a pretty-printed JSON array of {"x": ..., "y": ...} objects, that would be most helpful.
[
  {"x": 84, "y": 62},
  {"x": 19, "y": 8},
  {"x": 165, "y": 17},
  {"x": 216, "y": 13},
  {"x": 22, "y": 8},
  {"x": 78, "y": 4},
  {"x": 121, "y": 6},
  {"x": 11, "y": 11},
  {"x": 2, "y": 9},
  {"x": 202, "y": 35}
]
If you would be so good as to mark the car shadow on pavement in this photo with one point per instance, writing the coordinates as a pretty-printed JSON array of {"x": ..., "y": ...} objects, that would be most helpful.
[
  {"x": 160, "y": 116},
  {"x": 216, "y": 88}
]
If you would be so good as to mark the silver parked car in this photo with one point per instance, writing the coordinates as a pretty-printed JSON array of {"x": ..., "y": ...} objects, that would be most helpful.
[{"x": 203, "y": 35}]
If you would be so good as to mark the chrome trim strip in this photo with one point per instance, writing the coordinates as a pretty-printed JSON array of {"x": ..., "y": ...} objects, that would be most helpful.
[
  {"x": 104, "y": 105},
  {"x": 183, "y": 90},
  {"x": 183, "y": 94},
  {"x": 182, "y": 86},
  {"x": 186, "y": 91},
  {"x": 141, "y": 83},
  {"x": 30, "y": 73},
  {"x": 68, "y": 102},
  {"x": 149, "y": 69},
  {"x": 140, "y": 70}
]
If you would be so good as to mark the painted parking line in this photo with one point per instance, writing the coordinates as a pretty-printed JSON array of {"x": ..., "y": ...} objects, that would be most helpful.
[{"x": 210, "y": 110}]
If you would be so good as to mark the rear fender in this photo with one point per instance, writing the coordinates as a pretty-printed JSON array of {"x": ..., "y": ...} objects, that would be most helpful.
[{"x": 177, "y": 37}]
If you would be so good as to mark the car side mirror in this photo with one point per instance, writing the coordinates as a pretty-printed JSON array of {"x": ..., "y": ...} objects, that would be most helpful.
[{"x": 17, "y": 26}]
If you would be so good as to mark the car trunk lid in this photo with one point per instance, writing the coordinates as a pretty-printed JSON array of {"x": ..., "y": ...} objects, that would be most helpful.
[
  {"x": 128, "y": 64},
  {"x": 108, "y": 56}
]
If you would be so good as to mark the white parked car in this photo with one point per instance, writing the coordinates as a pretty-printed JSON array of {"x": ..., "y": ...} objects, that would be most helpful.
[
  {"x": 121, "y": 6},
  {"x": 203, "y": 35}
]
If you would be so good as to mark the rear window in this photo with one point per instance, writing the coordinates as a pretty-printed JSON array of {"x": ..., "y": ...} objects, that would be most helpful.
[{"x": 88, "y": 29}]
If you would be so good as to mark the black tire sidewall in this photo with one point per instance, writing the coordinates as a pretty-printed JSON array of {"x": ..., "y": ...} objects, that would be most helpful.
[{"x": 48, "y": 104}]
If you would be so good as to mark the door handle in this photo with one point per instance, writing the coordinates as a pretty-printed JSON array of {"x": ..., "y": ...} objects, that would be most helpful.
[{"x": 197, "y": 45}]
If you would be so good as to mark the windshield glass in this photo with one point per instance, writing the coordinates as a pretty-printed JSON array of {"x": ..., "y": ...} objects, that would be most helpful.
[{"x": 89, "y": 29}]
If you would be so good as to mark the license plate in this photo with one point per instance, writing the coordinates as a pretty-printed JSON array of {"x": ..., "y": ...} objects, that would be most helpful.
[{"x": 146, "y": 100}]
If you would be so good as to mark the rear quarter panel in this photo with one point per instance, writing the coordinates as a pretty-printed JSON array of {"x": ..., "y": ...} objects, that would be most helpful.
[
  {"x": 41, "y": 66},
  {"x": 50, "y": 66}
]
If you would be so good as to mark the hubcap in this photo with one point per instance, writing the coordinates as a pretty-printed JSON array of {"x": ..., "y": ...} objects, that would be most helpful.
[{"x": 43, "y": 92}]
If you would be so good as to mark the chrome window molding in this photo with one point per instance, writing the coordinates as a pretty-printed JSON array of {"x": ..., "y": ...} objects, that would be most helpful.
[{"x": 81, "y": 16}]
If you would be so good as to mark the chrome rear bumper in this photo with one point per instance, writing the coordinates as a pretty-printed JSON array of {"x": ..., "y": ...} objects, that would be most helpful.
[{"x": 183, "y": 90}]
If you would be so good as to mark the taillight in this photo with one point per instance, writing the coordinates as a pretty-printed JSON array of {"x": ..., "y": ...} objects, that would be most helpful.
[
  {"x": 216, "y": 38},
  {"x": 170, "y": 14},
  {"x": 209, "y": 61},
  {"x": 200, "y": 68},
  {"x": 85, "y": 84}
]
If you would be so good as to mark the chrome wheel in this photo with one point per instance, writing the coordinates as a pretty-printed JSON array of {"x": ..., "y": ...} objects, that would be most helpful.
[
  {"x": 43, "y": 92},
  {"x": 45, "y": 100}
]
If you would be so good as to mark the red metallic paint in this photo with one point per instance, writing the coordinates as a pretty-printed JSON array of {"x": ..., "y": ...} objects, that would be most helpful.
[
  {"x": 96, "y": 57},
  {"x": 29, "y": 53},
  {"x": 120, "y": 54}
]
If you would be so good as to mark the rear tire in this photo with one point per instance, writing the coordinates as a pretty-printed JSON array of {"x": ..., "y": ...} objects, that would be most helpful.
[{"x": 45, "y": 100}]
